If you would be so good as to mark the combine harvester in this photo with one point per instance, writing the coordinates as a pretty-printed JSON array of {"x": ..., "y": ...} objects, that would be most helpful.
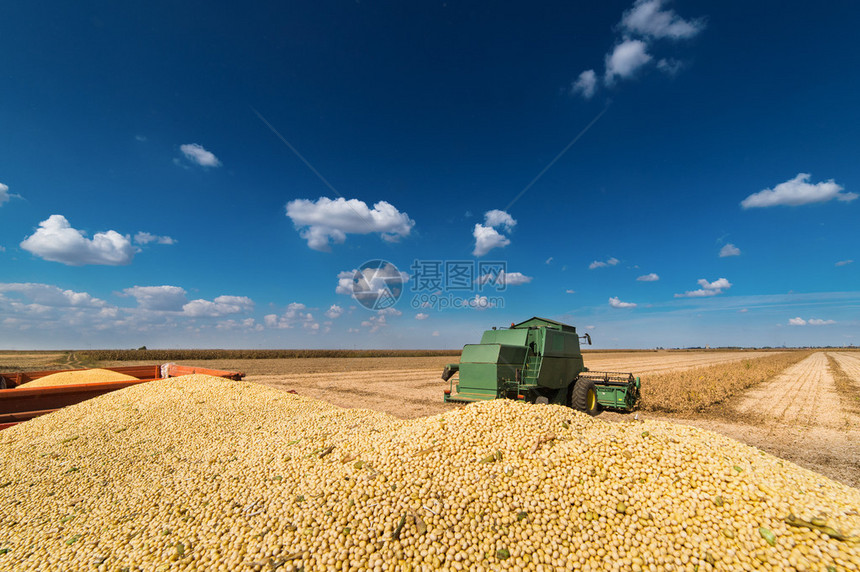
[
  {"x": 18, "y": 403},
  {"x": 539, "y": 361}
]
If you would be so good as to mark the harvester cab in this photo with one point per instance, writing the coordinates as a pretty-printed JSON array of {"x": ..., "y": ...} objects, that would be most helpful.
[{"x": 539, "y": 361}]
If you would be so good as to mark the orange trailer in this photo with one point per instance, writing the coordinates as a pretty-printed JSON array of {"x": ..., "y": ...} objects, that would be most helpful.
[{"x": 18, "y": 404}]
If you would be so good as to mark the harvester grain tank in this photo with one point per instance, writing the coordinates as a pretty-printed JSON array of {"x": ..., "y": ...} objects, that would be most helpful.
[{"x": 539, "y": 361}]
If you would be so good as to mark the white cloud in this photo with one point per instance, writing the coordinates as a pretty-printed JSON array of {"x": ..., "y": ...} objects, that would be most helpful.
[
  {"x": 569, "y": 291},
  {"x": 798, "y": 191},
  {"x": 421, "y": 316},
  {"x": 647, "y": 18},
  {"x": 601, "y": 264},
  {"x": 435, "y": 333},
  {"x": 487, "y": 238},
  {"x": 479, "y": 303},
  {"x": 729, "y": 250},
  {"x": 52, "y": 296},
  {"x": 615, "y": 302},
  {"x": 146, "y": 238},
  {"x": 328, "y": 221},
  {"x": 294, "y": 315},
  {"x": 652, "y": 277},
  {"x": 497, "y": 218},
  {"x": 486, "y": 235},
  {"x": 844, "y": 262},
  {"x": 626, "y": 58},
  {"x": 334, "y": 312},
  {"x": 707, "y": 289},
  {"x": 221, "y": 306},
  {"x": 506, "y": 278},
  {"x": 549, "y": 260},
  {"x": 57, "y": 241},
  {"x": 585, "y": 84},
  {"x": 810, "y": 322},
  {"x": 640, "y": 27},
  {"x": 375, "y": 323},
  {"x": 4, "y": 193},
  {"x": 158, "y": 298},
  {"x": 344, "y": 282},
  {"x": 199, "y": 156}
]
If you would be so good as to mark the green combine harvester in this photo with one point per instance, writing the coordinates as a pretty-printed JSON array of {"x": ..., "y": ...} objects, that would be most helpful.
[{"x": 539, "y": 361}]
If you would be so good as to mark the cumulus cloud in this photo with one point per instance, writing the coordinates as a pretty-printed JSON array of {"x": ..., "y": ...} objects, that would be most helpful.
[
  {"x": 294, "y": 315},
  {"x": 844, "y": 262},
  {"x": 327, "y": 221},
  {"x": 158, "y": 298},
  {"x": 570, "y": 291},
  {"x": 652, "y": 277},
  {"x": 146, "y": 238},
  {"x": 729, "y": 250},
  {"x": 707, "y": 289},
  {"x": 625, "y": 60},
  {"x": 421, "y": 316},
  {"x": 5, "y": 195},
  {"x": 498, "y": 218},
  {"x": 334, "y": 312},
  {"x": 506, "y": 278},
  {"x": 196, "y": 154},
  {"x": 479, "y": 303},
  {"x": 375, "y": 323},
  {"x": 220, "y": 306},
  {"x": 811, "y": 322},
  {"x": 648, "y": 18},
  {"x": 46, "y": 307},
  {"x": 57, "y": 241},
  {"x": 603, "y": 264},
  {"x": 640, "y": 28},
  {"x": 487, "y": 238},
  {"x": 615, "y": 302},
  {"x": 486, "y": 235},
  {"x": 51, "y": 296},
  {"x": 585, "y": 85},
  {"x": 798, "y": 191}
]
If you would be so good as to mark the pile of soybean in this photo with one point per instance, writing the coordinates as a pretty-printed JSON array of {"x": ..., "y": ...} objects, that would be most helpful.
[
  {"x": 204, "y": 473},
  {"x": 76, "y": 376}
]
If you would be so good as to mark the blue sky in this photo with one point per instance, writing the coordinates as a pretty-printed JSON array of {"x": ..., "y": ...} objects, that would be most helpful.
[{"x": 205, "y": 174}]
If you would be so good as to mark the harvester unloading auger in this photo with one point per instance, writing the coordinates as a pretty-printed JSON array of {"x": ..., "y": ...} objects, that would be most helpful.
[{"x": 539, "y": 361}]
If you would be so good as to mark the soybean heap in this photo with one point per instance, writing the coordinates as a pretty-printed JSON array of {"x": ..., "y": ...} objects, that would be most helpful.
[{"x": 200, "y": 472}]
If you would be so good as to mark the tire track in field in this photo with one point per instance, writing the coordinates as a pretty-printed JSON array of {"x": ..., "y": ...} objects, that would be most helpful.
[{"x": 803, "y": 396}]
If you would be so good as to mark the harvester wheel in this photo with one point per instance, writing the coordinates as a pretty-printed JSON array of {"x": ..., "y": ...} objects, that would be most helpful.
[{"x": 583, "y": 397}]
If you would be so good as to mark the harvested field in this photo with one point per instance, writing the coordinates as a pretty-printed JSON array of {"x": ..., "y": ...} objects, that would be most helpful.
[
  {"x": 697, "y": 388},
  {"x": 20, "y": 361},
  {"x": 642, "y": 363}
]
